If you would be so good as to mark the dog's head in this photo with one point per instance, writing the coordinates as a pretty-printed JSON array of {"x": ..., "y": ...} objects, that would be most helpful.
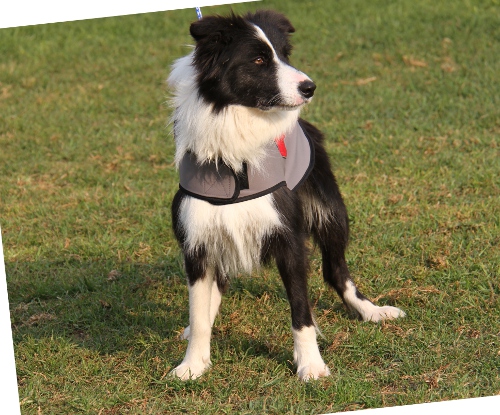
[{"x": 244, "y": 60}]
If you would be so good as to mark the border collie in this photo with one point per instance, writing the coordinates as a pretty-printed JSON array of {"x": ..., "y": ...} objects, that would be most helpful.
[{"x": 237, "y": 101}]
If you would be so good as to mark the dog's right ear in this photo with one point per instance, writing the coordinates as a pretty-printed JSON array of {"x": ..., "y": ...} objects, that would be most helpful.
[
  {"x": 212, "y": 35},
  {"x": 210, "y": 28}
]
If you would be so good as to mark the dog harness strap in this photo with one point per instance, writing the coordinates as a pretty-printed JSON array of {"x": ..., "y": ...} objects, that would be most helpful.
[{"x": 287, "y": 163}]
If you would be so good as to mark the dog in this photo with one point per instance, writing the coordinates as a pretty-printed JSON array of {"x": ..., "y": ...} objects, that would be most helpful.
[{"x": 255, "y": 181}]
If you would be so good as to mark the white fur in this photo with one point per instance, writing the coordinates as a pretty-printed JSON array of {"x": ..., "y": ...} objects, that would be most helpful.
[
  {"x": 368, "y": 310},
  {"x": 235, "y": 135},
  {"x": 232, "y": 234},
  {"x": 310, "y": 364}
]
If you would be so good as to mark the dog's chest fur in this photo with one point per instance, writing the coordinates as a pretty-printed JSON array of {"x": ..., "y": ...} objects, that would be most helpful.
[
  {"x": 235, "y": 132},
  {"x": 235, "y": 135},
  {"x": 232, "y": 235}
]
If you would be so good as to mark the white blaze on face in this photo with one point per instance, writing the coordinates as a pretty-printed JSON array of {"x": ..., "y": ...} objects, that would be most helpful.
[{"x": 289, "y": 78}]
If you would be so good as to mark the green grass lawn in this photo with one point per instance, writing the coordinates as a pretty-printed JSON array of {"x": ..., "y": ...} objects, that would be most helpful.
[{"x": 408, "y": 97}]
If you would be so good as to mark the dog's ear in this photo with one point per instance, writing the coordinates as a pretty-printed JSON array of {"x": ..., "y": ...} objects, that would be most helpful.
[
  {"x": 283, "y": 23},
  {"x": 213, "y": 35},
  {"x": 211, "y": 29},
  {"x": 278, "y": 20}
]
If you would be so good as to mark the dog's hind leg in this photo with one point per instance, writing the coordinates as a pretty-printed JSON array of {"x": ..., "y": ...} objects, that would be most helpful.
[
  {"x": 201, "y": 281},
  {"x": 331, "y": 233},
  {"x": 336, "y": 274},
  {"x": 327, "y": 220}
]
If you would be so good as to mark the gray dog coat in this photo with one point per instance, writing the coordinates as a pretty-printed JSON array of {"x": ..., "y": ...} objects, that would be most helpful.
[{"x": 288, "y": 163}]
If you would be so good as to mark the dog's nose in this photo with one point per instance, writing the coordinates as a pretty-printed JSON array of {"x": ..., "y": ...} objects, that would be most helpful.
[{"x": 307, "y": 88}]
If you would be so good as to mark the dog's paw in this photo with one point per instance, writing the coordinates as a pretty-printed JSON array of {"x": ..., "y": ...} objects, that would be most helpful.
[
  {"x": 306, "y": 355},
  {"x": 313, "y": 371},
  {"x": 185, "y": 334},
  {"x": 190, "y": 370},
  {"x": 377, "y": 313}
]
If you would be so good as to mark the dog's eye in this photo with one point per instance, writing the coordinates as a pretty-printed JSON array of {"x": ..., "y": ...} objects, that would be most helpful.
[{"x": 259, "y": 61}]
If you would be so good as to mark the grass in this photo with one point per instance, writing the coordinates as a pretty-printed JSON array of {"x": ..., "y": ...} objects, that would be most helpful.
[{"x": 408, "y": 96}]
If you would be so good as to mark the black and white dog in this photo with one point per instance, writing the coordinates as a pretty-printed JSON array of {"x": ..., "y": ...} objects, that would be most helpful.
[{"x": 236, "y": 104}]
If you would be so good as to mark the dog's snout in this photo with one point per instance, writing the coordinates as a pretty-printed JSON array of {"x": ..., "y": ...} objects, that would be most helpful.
[{"x": 307, "y": 88}]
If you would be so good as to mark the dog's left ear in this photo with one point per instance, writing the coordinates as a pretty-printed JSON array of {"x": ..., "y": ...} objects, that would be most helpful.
[
  {"x": 284, "y": 24},
  {"x": 279, "y": 20}
]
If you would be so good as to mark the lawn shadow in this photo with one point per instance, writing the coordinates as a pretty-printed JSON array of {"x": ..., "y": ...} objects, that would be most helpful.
[
  {"x": 110, "y": 306},
  {"x": 102, "y": 305}
]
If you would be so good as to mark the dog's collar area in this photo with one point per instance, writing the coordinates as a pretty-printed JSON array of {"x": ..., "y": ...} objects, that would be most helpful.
[{"x": 286, "y": 164}]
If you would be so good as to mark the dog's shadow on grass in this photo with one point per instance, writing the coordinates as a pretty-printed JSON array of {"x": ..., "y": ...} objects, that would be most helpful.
[
  {"x": 110, "y": 306},
  {"x": 103, "y": 305}
]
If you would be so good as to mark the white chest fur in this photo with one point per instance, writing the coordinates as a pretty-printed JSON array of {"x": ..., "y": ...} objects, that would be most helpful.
[{"x": 231, "y": 234}]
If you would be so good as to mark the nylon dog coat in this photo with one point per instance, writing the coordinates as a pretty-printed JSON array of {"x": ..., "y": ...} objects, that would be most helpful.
[{"x": 288, "y": 163}]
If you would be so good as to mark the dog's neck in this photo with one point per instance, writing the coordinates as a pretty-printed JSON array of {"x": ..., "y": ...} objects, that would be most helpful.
[{"x": 235, "y": 135}]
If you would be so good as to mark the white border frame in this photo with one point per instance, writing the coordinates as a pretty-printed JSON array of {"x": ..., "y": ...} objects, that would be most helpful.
[
  {"x": 29, "y": 12},
  {"x": 32, "y": 12},
  {"x": 9, "y": 395}
]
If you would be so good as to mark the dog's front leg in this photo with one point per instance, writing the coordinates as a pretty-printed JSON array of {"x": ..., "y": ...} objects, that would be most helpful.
[
  {"x": 293, "y": 271},
  {"x": 306, "y": 355},
  {"x": 197, "y": 358},
  {"x": 215, "y": 300}
]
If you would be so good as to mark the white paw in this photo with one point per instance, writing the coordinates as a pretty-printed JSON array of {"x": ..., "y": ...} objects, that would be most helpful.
[
  {"x": 185, "y": 334},
  {"x": 190, "y": 370},
  {"x": 313, "y": 371},
  {"x": 377, "y": 313},
  {"x": 310, "y": 364}
]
